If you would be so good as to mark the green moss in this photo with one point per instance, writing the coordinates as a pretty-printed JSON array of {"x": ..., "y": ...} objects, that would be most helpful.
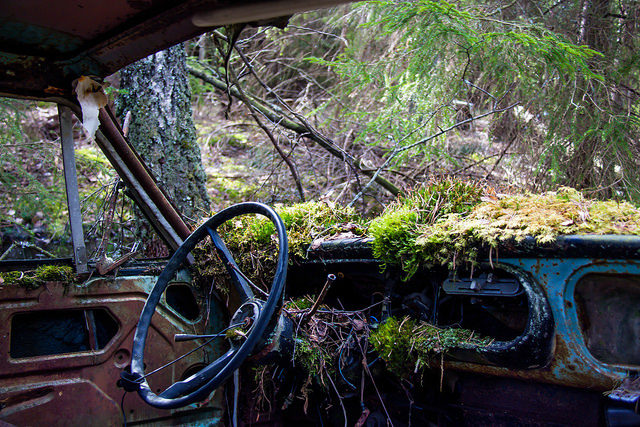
[
  {"x": 35, "y": 278},
  {"x": 9, "y": 277},
  {"x": 456, "y": 237},
  {"x": 407, "y": 346},
  {"x": 252, "y": 240},
  {"x": 302, "y": 303},
  {"x": 396, "y": 230},
  {"x": 445, "y": 223},
  {"x": 236, "y": 333},
  {"x": 54, "y": 273},
  {"x": 311, "y": 358},
  {"x": 238, "y": 140},
  {"x": 91, "y": 159}
]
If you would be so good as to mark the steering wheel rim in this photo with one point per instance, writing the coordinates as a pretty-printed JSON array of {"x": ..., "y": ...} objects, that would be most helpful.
[{"x": 199, "y": 385}]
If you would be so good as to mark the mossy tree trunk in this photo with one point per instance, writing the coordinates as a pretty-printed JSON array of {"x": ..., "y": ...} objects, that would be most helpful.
[{"x": 156, "y": 92}]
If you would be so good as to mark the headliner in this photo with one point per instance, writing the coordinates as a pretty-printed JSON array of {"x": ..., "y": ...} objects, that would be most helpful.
[{"x": 46, "y": 44}]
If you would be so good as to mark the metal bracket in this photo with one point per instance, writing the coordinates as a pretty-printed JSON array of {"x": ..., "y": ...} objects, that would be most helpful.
[
  {"x": 71, "y": 185},
  {"x": 627, "y": 393},
  {"x": 484, "y": 285}
]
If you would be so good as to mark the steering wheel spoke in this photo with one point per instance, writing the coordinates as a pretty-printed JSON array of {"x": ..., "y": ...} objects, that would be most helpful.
[
  {"x": 198, "y": 379},
  {"x": 257, "y": 313},
  {"x": 238, "y": 279}
]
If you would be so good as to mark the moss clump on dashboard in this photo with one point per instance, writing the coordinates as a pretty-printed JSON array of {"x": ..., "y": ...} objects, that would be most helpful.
[
  {"x": 457, "y": 237},
  {"x": 54, "y": 273},
  {"x": 444, "y": 223},
  {"x": 407, "y": 346},
  {"x": 35, "y": 278},
  {"x": 447, "y": 222},
  {"x": 253, "y": 242},
  {"x": 396, "y": 230}
]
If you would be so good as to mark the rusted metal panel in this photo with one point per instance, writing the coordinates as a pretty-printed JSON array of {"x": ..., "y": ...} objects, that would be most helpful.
[
  {"x": 81, "y": 388},
  {"x": 571, "y": 363},
  {"x": 46, "y": 45},
  {"x": 71, "y": 187},
  {"x": 555, "y": 269}
]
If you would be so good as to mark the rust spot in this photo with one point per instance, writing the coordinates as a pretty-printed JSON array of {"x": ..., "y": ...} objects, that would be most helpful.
[
  {"x": 26, "y": 396},
  {"x": 52, "y": 90}
]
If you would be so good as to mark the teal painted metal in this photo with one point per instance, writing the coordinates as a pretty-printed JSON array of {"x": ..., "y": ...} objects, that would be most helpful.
[
  {"x": 558, "y": 278},
  {"x": 39, "y": 38}
]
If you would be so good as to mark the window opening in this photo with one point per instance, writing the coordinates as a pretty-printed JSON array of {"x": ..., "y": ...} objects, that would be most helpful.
[
  {"x": 608, "y": 314},
  {"x": 34, "y": 217},
  {"x": 51, "y": 332}
]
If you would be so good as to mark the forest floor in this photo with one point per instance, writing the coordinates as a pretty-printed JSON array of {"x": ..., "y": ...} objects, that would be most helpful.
[{"x": 241, "y": 163}]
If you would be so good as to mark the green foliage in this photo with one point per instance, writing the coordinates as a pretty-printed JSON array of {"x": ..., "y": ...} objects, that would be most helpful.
[
  {"x": 31, "y": 185},
  {"x": 429, "y": 50},
  {"x": 407, "y": 64},
  {"x": 408, "y": 346}
]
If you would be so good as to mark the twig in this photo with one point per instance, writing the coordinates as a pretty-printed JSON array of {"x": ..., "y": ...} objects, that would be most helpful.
[
  {"x": 287, "y": 160},
  {"x": 344, "y": 411},
  {"x": 495, "y": 165},
  {"x": 5, "y": 253},
  {"x": 32, "y": 246},
  {"x": 456, "y": 125},
  {"x": 252, "y": 110},
  {"x": 366, "y": 368}
]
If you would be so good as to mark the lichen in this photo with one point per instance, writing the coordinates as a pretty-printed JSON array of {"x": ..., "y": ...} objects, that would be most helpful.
[{"x": 407, "y": 346}]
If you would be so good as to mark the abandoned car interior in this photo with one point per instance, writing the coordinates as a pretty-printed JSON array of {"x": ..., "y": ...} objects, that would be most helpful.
[{"x": 323, "y": 331}]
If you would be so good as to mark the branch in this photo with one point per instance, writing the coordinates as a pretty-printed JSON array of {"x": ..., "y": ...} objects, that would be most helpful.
[
  {"x": 301, "y": 127},
  {"x": 287, "y": 160},
  {"x": 453, "y": 126},
  {"x": 501, "y": 156}
]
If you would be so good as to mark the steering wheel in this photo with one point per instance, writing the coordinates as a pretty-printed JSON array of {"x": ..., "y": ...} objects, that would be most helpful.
[{"x": 199, "y": 385}]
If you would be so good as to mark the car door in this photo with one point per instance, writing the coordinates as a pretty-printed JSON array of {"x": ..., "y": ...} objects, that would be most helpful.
[{"x": 75, "y": 276}]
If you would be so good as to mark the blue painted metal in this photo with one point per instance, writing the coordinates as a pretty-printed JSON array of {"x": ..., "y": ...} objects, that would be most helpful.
[{"x": 558, "y": 278}]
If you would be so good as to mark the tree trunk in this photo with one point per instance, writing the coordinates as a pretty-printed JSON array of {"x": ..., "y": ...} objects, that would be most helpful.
[{"x": 156, "y": 92}]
